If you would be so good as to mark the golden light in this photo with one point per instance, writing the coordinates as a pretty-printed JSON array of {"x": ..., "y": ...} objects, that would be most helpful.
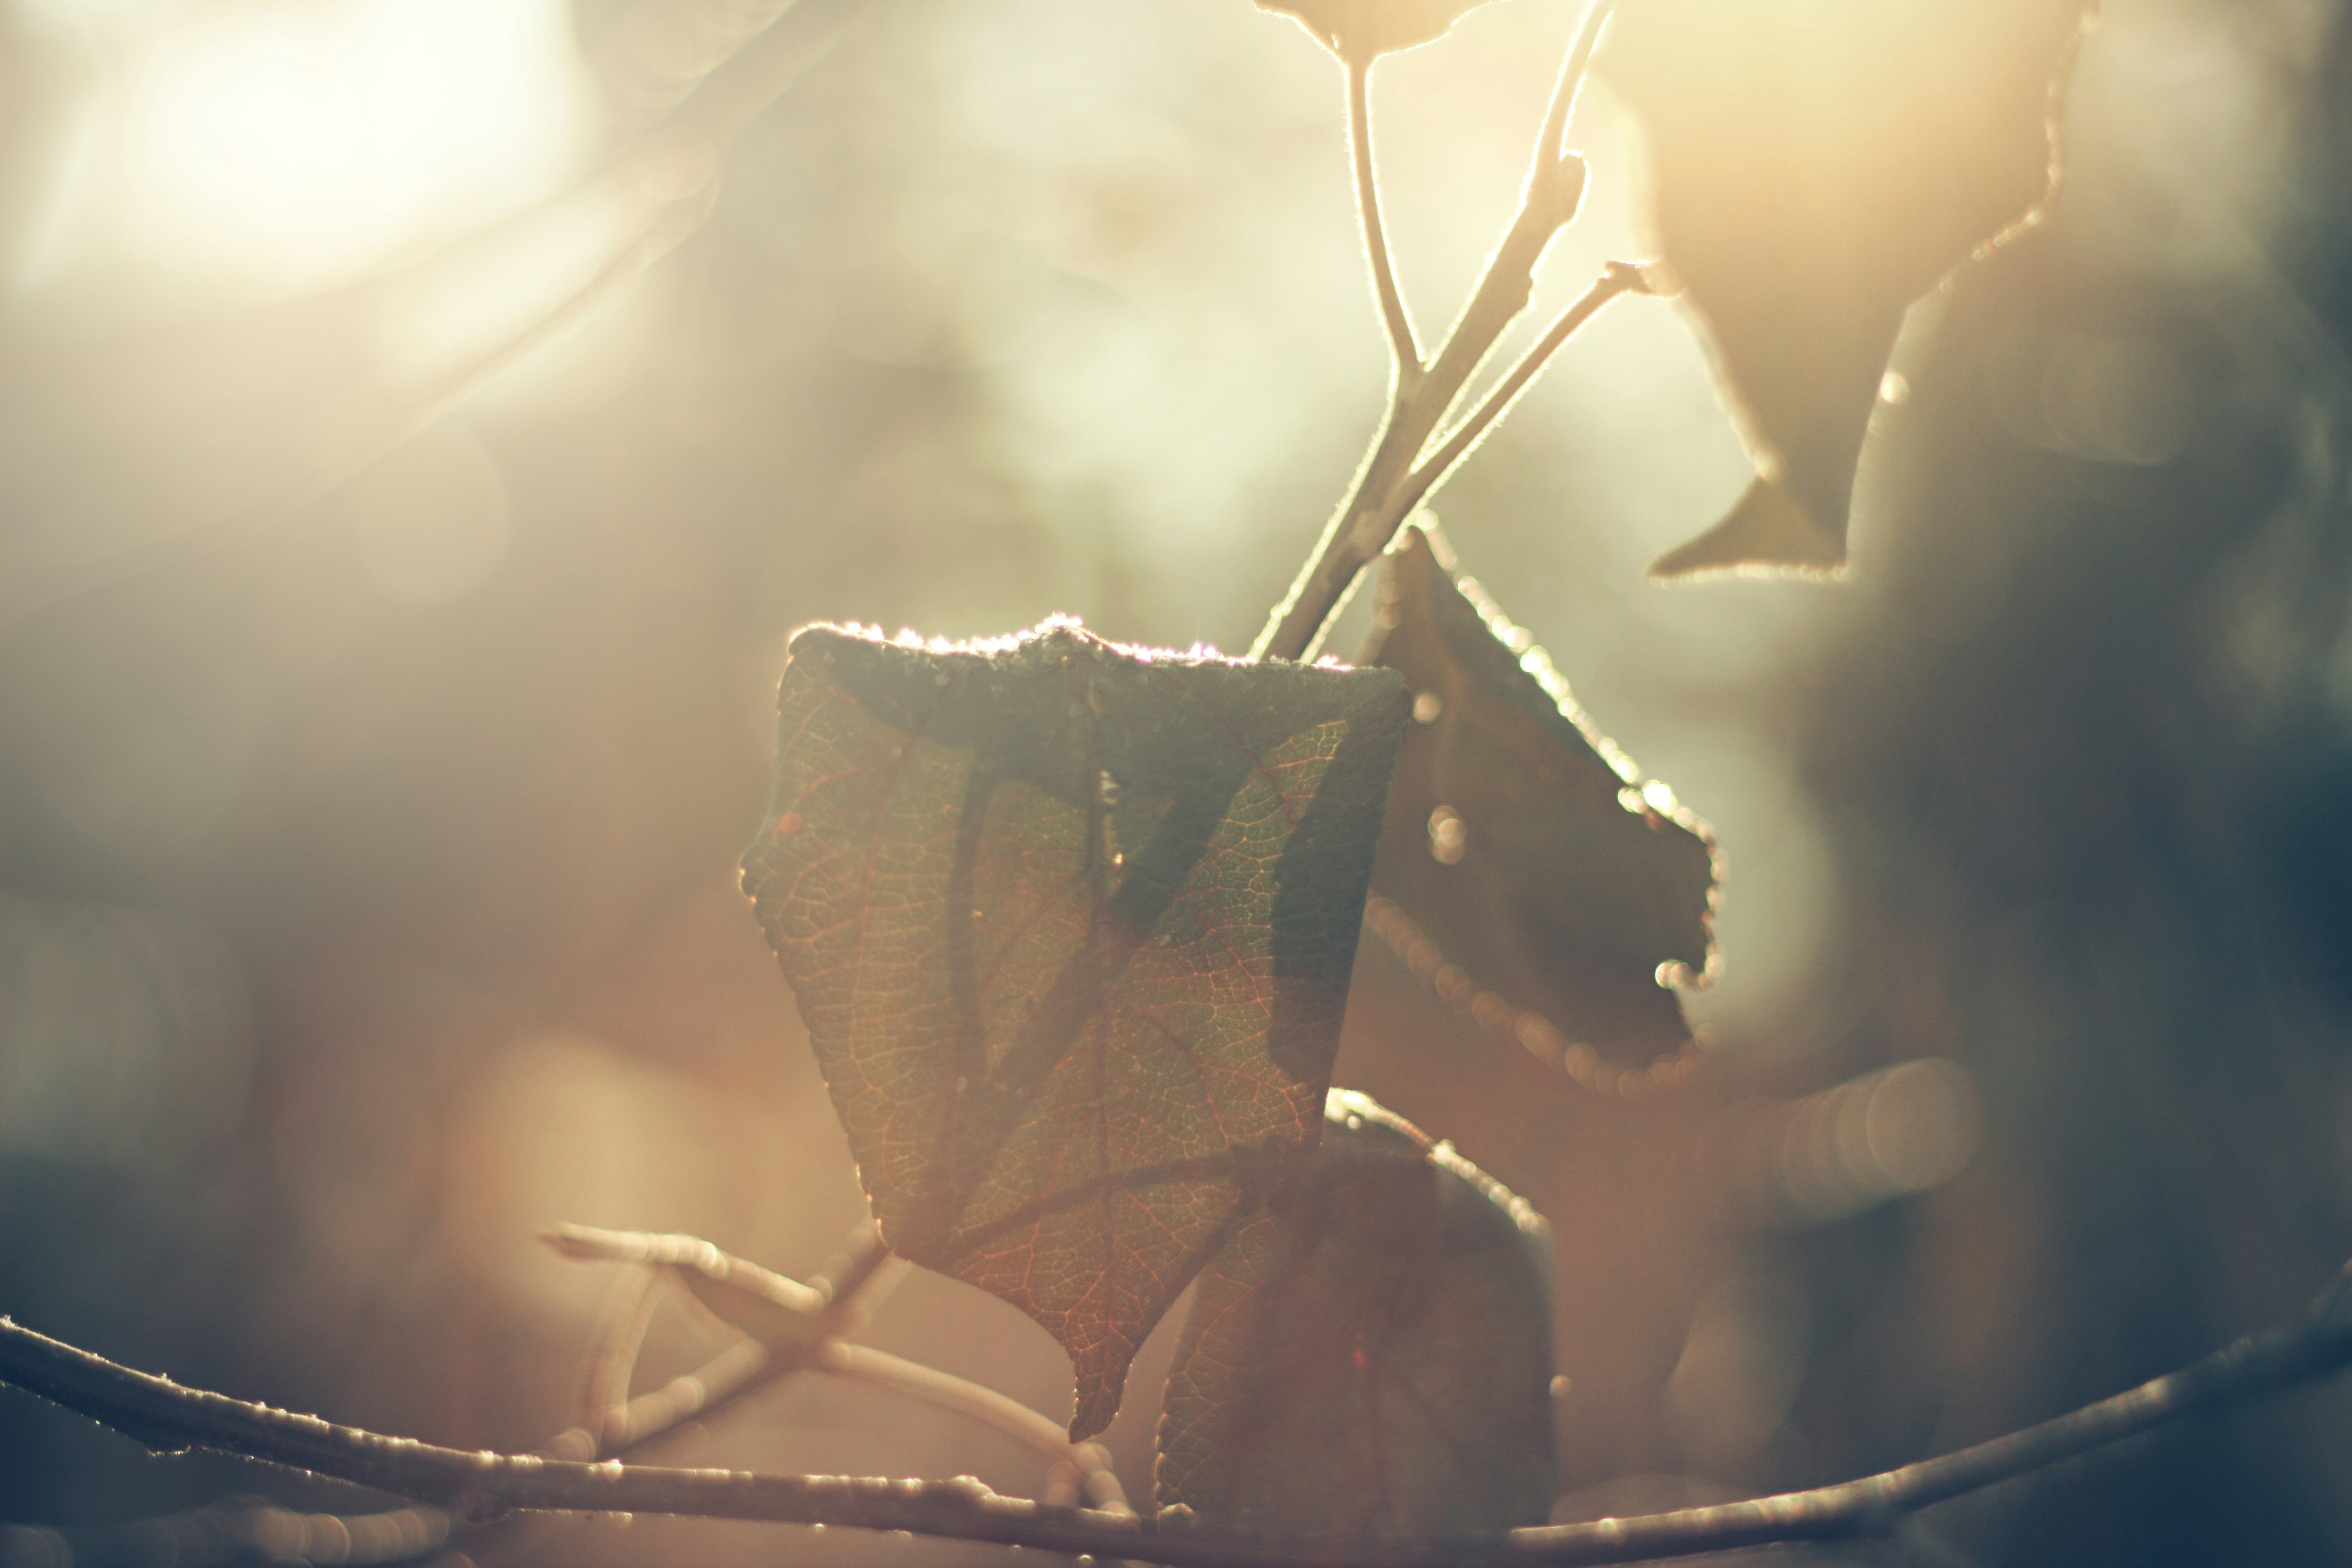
[{"x": 284, "y": 145}]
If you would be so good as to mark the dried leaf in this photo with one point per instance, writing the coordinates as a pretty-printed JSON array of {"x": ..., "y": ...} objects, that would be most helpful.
[
  {"x": 1557, "y": 892},
  {"x": 1071, "y": 929},
  {"x": 1817, "y": 165},
  {"x": 1361, "y": 31},
  {"x": 1371, "y": 1355}
]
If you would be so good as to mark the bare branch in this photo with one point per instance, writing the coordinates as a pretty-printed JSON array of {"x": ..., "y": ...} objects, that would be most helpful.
[
  {"x": 1365, "y": 523},
  {"x": 860, "y": 1277},
  {"x": 1404, "y": 351},
  {"x": 234, "y": 1530},
  {"x": 1090, "y": 1463},
  {"x": 584, "y": 1243},
  {"x": 741, "y": 1369},
  {"x": 629, "y": 1308},
  {"x": 480, "y": 1486},
  {"x": 793, "y": 1321},
  {"x": 800, "y": 1325},
  {"x": 1618, "y": 278},
  {"x": 1572, "y": 72}
]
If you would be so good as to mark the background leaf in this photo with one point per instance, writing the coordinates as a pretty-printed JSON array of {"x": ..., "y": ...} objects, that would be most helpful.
[
  {"x": 1549, "y": 883},
  {"x": 1818, "y": 164},
  {"x": 1071, "y": 930},
  {"x": 1363, "y": 30},
  {"x": 1371, "y": 1355}
]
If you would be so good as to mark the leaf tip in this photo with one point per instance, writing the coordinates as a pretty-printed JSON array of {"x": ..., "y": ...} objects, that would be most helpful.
[
  {"x": 1769, "y": 533},
  {"x": 1096, "y": 1403}
]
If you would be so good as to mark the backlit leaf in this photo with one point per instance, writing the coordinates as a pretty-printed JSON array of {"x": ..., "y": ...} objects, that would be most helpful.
[
  {"x": 1071, "y": 928},
  {"x": 1362, "y": 30},
  {"x": 1371, "y": 1355},
  {"x": 1817, "y": 165},
  {"x": 1526, "y": 868}
]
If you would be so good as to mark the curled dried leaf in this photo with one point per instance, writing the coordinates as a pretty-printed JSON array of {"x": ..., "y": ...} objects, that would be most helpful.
[
  {"x": 1817, "y": 165},
  {"x": 1071, "y": 929},
  {"x": 1550, "y": 884},
  {"x": 1371, "y": 1355}
]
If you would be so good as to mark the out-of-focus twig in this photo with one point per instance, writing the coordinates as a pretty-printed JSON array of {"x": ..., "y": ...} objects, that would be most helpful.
[
  {"x": 629, "y": 1311},
  {"x": 480, "y": 1486},
  {"x": 807, "y": 1325},
  {"x": 801, "y": 1319},
  {"x": 851, "y": 1283},
  {"x": 1089, "y": 1473},
  {"x": 234, "y": 1530}
]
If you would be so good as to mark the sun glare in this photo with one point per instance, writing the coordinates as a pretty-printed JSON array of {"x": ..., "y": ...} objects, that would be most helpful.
[{"x": 288, "y": 144}]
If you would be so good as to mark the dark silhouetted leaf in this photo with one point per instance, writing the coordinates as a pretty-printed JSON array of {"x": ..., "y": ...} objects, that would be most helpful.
[
  {"x": 1071, "y": 928},
  {"x": 1818, "y": 164},
  {"x": 1361, "y": 31},
  {"x": 1371, "y": 1355},
  {"x": 1525, "y": 869}
]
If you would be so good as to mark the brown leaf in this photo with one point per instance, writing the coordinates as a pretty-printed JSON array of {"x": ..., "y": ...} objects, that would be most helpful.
[
  {"x": 1372, "y": 1355},
  {"x": 1071, "y": 929},
  {"x": 1527, "y": 870},
  {"x": 1360, "y": 31},
  {"x": 1817, "y": 165}
]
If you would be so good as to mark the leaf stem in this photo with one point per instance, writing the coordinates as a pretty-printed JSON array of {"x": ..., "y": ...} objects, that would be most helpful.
[
  {"x": 814, "y": 1334},
  {"x": 859, "y": 1278},
  {"x": 1572, "y": 72},
  {"x": 629, "y": 1312},
  {"x": 1374, "y": 510},
  {"x": 1039, "y": 1433},
  {"x": 1404, "y": 352},
  {"x": 1617, "y": 278},
  {"x": 475, "y": 1486}
]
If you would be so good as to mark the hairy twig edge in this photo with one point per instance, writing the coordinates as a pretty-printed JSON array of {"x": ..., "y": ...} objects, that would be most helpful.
[{"x": 482, "y": 1484}]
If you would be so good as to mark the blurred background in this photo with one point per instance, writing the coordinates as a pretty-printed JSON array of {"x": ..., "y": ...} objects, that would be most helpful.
[{"x": 422, "y": 423}]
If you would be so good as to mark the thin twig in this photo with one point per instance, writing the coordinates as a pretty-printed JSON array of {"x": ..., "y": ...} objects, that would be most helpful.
[
  {"x": 805, "y": 1317},
  {"x": 1617, "y": 278},
  {"x": 742, "y": 1368},
  {"x": 794, "y": 1325},
  {"x": 1572, "y": 72},
  {"x": 842, "y": 1294},
  {"x": 1364, "y": 524},
  {"x": 860, "y": 1277},
  {"x": 1402, "y": 348},
  {"x": 234, "y": 1530},
  {"x": 629, "y": 1309},
  {"x": 478, "y": 1486},
  {"x": 1098, "y": 1484},
  {"x": 586, "y": 1243}
]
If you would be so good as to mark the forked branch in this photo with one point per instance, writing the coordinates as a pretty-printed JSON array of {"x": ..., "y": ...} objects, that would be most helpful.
[
  {"x": 790, "y": 1325},
  {"x": 1618, "y": 278},
  {"x": 1393, "y": 478},
  {"x": 480, "y": 1486}
]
